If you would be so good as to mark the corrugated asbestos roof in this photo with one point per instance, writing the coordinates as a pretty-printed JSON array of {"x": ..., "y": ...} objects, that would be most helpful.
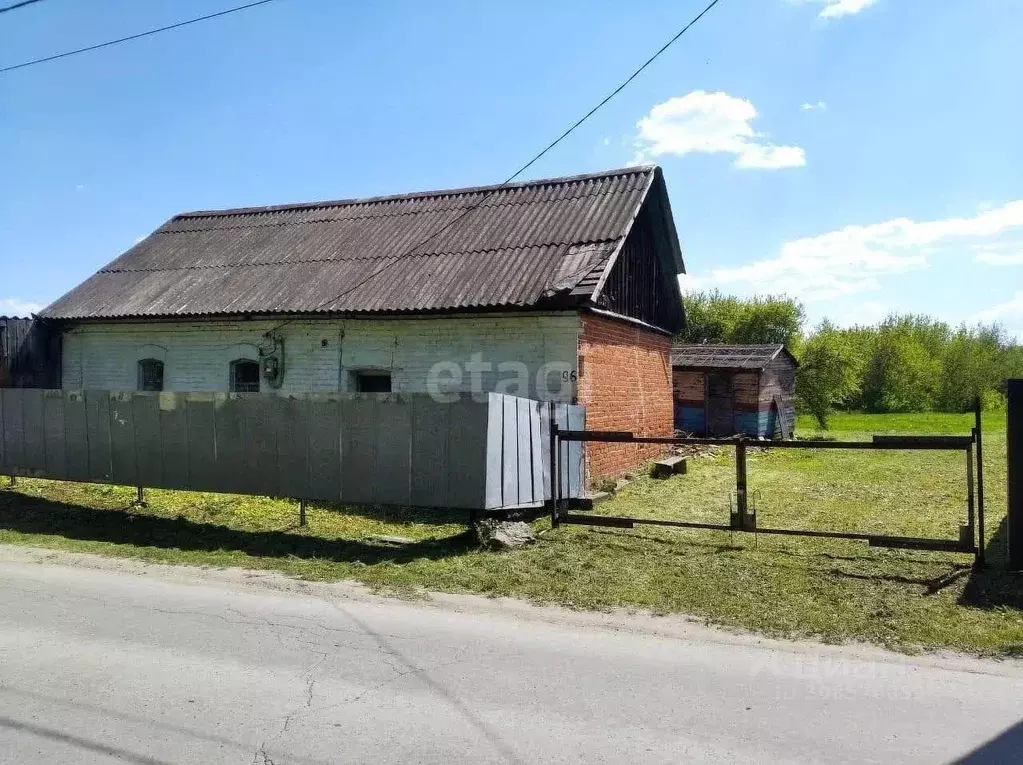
[
  {"x": 541, "y": 244},
  {"x": 750, "y": 357}
]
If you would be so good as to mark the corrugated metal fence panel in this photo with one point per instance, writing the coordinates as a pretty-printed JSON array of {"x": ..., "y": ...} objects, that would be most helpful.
[
  {"x": 571, "y": 456},
  {"x": 122, "y": 439},
  {"x": 145, "y": 412},
  {"x": 571, "y": 460},
  {"x": 402, "y": 449},
  {"x": 75, "y": 437},
  {"x": 518, "y": 452},
  {"x": 54, "y": 432},
  {"x": 173, "y": 440},
  {"x": 12, "y": 447},
  {"x": 467, "y": 453},
  {"x": 322, "y": 458},
  {"x": 429, "y": 474},
  {"x": 379, "y": 448}
]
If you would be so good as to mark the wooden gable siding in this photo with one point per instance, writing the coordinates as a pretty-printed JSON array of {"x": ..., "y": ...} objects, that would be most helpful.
[{"x": 640, "y": 283}]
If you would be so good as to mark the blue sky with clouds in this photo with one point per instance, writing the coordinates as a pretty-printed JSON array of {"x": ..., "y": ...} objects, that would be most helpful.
[{"x": 861, "y": 155}]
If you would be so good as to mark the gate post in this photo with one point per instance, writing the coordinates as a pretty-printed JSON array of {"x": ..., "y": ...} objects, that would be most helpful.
[
  {"x": 1014, "y": 442},
  {"x": 741, "y": 497},
  {"x": 555, "y": 467},
  {"x": 979, "y": 437}
]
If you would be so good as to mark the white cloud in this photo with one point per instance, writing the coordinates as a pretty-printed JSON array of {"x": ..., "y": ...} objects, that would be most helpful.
[
  {"x": 834, "y": 9},
  {"x": 808, "y": 107},
  {"x": 688, "y": 284},
  {"x": 1010, "y": 309},
  {"x": 853, "y": 260},
  {"x": 711, "y": 123},
  {"x": 18, "y": 307},
  {"x": 999, "y": 254},
  {"x": 606, "y": 141},
  {"x": 999, "y": 259}
]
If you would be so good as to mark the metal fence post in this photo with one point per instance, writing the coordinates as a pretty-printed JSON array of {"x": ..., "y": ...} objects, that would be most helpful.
[
  {"x": 741, "y": 498},
  {"x": 301, "y": 512},
  {"x": 555, "y": 471},
  {"x": 1014, "y": 443},
  {"x": 980, "y": 480},
  {"x": 968, "y": 532}
]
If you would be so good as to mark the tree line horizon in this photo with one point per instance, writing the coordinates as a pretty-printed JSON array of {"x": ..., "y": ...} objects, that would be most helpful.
[{"x": 904, "y": 363}]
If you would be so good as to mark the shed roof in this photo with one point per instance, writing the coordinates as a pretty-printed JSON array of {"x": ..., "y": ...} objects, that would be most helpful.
[
  {"x": 738, "y": 357},
  {"x": 537, "y": 245}
]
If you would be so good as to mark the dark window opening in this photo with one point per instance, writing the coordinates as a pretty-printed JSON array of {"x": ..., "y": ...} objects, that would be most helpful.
[
  {"x": 150, "y": 375},
  {"x": 373, "y": 382},
  {"x": 244, "y": 376}
]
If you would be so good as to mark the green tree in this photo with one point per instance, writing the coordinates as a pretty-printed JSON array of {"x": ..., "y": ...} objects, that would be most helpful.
[
  {"x": 715, "y": 318},
  {"x": 906, "y": 363},
  {"x": 827, "y": 375},
  {"x": 901, "y": 375},
  {"x": 972, "y": 365}
]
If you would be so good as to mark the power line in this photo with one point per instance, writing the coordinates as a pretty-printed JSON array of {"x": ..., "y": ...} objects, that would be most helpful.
[
  {"x": 15, "y": 6},
  {"x": 518, "y": 172},
  {"x": 125, "y": 39}
]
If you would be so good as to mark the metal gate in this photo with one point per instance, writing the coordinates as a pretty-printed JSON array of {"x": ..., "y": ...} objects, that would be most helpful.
[{"x": 743, "y": 518}]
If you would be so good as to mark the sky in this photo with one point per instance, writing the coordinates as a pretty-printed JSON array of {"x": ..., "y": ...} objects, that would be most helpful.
[{"x": 862, "y": 156}]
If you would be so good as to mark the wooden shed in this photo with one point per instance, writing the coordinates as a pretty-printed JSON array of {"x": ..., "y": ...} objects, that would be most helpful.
[{"x": 724, "y": 390}]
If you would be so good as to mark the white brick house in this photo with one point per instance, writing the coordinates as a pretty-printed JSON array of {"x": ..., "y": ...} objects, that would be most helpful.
[
  {"x": 506, "y": 288},
  {"x": 326, "y": 354}
]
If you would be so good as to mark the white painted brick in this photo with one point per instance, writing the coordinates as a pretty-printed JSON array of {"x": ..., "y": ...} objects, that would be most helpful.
[{"x": 319, "y": 354}]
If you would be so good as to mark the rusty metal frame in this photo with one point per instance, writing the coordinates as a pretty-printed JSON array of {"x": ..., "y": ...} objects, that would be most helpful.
[{"x": 971, "y": 538}]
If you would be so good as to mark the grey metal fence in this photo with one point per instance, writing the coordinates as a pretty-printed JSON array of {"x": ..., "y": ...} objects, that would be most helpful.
[{"x": 400, "y": 449}]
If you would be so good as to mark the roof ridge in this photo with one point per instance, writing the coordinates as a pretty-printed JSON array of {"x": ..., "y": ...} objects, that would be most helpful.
[
  {"x": 469, "y": 207},
  {"x": 438, "y": 193}
]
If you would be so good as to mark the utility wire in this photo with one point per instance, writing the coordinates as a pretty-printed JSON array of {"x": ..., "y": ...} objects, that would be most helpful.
[
  {"x": 516, "y": 174},
  {"x": 124, "y": 39},
  {"x": 15, "y": 6}
]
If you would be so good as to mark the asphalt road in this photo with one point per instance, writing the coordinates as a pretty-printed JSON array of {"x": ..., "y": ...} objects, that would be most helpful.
[{"x": 106, "y": 666}]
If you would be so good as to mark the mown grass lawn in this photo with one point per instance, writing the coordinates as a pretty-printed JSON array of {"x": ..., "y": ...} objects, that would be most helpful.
[{"x": 783, "y": 586}]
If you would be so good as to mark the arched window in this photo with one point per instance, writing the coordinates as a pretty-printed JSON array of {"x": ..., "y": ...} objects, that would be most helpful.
[
  {"x": 150, "y": 374},
  {"x": 244, "y": 376}
]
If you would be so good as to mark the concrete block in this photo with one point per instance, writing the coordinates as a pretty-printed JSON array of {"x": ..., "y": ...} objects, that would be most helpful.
[{"x": 668, "y": 467}]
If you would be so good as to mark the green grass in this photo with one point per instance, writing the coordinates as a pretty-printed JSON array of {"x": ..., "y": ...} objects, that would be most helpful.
[{"x": 782, "y": 586}]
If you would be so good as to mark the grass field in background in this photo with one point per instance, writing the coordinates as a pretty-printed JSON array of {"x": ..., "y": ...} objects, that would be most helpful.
[{"x": 783, "y": 586}]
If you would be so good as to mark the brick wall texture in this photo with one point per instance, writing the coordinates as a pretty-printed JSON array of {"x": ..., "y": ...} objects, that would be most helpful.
[{"x": 625, "y": 384}]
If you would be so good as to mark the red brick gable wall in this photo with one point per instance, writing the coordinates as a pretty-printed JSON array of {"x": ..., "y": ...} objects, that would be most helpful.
[{"x": 625, "y": 384}]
